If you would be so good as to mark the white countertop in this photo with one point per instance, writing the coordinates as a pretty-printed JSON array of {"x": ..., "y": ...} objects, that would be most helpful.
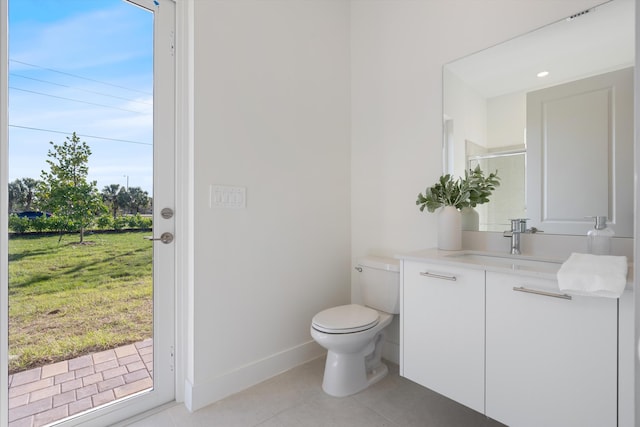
[{"x": 541, "y": 267}]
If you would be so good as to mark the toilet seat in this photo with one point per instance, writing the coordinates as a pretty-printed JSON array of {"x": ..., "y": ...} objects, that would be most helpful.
[{"x": 345, "y": 319}]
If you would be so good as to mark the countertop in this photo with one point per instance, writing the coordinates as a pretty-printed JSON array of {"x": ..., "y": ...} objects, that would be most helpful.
[{"x": 531, "y": 266}]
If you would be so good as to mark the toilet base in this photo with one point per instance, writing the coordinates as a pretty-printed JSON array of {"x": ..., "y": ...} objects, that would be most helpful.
[{"x": 347, "y": 374}]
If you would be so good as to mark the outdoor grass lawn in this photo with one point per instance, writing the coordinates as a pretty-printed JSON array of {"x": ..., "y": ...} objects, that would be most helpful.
[{"x": 67, "y": 299}]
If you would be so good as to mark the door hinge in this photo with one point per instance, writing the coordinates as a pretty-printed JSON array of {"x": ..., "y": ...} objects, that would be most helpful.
[
  {"x": 172, "y": 43},
  {"x": 172, "y": 358}
]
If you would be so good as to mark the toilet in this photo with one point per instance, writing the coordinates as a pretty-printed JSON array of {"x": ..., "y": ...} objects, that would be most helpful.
[{"x": 353, "y": 334}]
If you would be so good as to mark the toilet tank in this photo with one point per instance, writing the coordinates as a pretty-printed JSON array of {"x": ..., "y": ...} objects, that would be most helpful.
[{"x": 379, "y": 280}]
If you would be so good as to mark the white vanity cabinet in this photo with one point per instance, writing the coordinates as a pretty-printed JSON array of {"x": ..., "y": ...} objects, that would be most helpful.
[
  {"x": 549, "y": 361},
  {"x": 442, "y": 326}
]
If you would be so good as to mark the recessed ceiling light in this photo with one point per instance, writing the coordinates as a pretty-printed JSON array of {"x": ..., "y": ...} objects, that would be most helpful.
[{"x": 543, "y": 74}]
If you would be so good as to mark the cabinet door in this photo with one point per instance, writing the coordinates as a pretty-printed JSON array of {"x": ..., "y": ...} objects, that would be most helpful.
[
  {"x": 443, "y": 331},
  {"x": 550, "y": 361}
]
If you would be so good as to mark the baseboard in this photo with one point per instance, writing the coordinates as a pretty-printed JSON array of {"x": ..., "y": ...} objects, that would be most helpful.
[{"x": 200, "y": 395}]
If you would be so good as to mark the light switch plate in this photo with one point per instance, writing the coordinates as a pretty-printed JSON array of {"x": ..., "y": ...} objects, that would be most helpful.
[{"x": 223, "y": 196}]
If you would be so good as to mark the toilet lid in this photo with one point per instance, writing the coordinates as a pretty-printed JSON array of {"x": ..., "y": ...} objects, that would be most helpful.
[{"x": 345, "y": 319}]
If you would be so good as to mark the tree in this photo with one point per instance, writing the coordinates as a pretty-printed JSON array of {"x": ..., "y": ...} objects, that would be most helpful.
[
  {"x": 110, "y": 197},
  {"x": 15, "y": 195},
  {"x": 22, "y": 194},
  {"x": 65, "y": 191},
  {"x": 30, "y": 186},
  {"x": 124, "y": 200},
  {"x": 138, "y": 199}
]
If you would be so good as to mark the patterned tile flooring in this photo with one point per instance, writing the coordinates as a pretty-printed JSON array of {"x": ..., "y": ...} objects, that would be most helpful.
[{"x": 50, "y": 393}]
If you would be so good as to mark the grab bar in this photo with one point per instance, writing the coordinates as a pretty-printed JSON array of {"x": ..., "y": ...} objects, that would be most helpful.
[{"x": 544, "y": 293}]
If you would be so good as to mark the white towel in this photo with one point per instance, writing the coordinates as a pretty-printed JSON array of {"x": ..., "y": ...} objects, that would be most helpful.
[{"x": 593, "y": 275}]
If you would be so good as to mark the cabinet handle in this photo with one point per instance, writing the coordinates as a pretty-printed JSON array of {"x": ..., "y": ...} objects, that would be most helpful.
[
  {"x": 544, "y": 293},
  {"x": 438, "y": 276}
]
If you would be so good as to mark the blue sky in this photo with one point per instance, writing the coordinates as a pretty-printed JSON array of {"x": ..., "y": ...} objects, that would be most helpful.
[{"x": 83, "y": 66}]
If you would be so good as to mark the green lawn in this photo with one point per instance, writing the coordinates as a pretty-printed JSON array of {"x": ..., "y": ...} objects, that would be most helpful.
[{"x": 66, "y": 299}]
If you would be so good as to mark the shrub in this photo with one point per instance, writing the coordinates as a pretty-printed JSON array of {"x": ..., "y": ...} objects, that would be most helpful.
[
  {"x": 146, "y": 222},
  {"x": 104, "y": 222},
  {"x": 133, "y": 221},
  {"x": 40, "y": 224},
  {"x": 59, "y": 223},
  {"x": 139, "y": 222},
  {"x": 120, "y": 223},
  {"x": 19, "y": 225}
]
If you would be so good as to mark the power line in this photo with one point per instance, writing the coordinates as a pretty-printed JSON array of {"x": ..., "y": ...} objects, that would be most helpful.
[
  {"x": 76, "y": 100},
  {"x": 78, "y": 76},
  {"x": 81, "y": 135},
  {"x": 80, "y": 89}
]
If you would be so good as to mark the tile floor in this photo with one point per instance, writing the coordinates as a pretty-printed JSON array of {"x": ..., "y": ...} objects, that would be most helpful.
[
  {"x": 43, "y": 395},
  {"x": 295, "y": 398}
]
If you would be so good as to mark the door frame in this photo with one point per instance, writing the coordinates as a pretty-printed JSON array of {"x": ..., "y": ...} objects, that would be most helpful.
[
  {"x": 4, "y": 207},
  {"x": 185, "y": 199}
]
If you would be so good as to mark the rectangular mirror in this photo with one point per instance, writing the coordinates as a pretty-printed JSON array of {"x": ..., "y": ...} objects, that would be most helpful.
[{"x": 552, "y": 112}]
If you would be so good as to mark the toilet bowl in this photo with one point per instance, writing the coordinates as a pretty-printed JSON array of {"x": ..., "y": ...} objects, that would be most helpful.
[{"x": 353, "y": 334}]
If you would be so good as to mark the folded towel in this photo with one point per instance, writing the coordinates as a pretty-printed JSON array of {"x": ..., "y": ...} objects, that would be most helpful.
[{"x": 593, "y": 275}]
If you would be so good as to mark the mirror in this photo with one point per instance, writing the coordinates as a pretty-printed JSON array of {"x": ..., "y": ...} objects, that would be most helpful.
[{"x": 552, "y": 111}]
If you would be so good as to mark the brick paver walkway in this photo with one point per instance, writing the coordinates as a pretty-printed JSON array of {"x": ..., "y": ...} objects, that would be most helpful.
[{"x": 43, "y": 395}]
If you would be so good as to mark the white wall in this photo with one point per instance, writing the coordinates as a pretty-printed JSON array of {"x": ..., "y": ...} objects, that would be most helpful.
[
  {"x": 271, "y": 115},
  {"x": 398, "y": 48},
  {"x": 506, "y": 120},
  {"x": 467, "y": 109}
]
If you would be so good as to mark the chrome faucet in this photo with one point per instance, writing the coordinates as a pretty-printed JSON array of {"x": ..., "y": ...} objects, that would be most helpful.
[{"x": 518, "y": 226}]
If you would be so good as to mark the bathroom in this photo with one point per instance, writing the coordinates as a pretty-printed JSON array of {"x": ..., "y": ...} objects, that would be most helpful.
[
  {"x": 379, "y": 64},
  {"x": 330, "y": 114},
  {"x": 331, "y": 174}
]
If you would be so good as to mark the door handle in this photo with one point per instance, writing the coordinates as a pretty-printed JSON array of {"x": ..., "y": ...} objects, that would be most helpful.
[{"x": 165, "y": 237}]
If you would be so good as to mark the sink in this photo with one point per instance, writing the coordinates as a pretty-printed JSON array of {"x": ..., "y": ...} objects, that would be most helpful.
[{"x": 506, "y": 260}]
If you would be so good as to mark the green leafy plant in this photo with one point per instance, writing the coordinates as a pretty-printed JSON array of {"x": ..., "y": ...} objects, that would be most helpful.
[
  {"x": 480, "y": 187},
  {"x": 472, "y": 190},
  {"x": 446, "y": 192}
]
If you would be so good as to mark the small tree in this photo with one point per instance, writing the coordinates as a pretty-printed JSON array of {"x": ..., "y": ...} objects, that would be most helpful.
[{"x": 65, "y": 191}]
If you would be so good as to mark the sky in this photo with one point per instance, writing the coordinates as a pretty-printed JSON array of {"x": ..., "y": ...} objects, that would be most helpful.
[{"x": 83, "y": 66}]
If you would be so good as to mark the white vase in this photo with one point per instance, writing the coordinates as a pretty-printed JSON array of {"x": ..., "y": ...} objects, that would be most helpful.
[
  {"x": 449, "y": 229},
  {"x": 470, "y": 219}
]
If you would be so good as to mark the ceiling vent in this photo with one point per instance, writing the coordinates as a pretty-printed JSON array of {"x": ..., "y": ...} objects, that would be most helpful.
[{"x": 579, "y": 14}]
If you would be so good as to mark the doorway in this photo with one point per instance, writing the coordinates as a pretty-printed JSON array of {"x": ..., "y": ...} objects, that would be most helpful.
[{"x": 98, "y": 98}]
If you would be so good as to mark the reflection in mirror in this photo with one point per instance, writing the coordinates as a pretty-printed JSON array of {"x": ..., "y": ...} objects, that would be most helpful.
[
  {"x": 499, "y": 113},
  {"x": 507, "y": 200}
]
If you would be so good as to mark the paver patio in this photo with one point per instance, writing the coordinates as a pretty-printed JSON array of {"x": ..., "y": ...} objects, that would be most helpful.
[{"x": 50, "y": 393}]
